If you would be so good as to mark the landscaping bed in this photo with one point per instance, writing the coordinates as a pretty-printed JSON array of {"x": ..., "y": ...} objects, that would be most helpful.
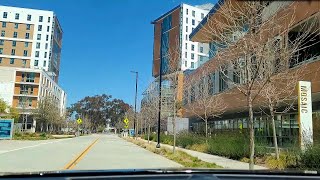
[{"x": 38, "y": 136}]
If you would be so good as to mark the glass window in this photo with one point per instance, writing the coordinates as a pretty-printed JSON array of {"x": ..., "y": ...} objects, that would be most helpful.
[
  {"x": 187, "y": 11},
  {"x": 28, "y": 26},
  {"x": 29, "y": 17},
  {"x": 0, "y": 60},
  {"x": 38, "y": 45},
  {"x": 17, "y": 16},
  {"x": 192, "y": 29},
  {"x": 193, "y": 22},
  {"x": 4, "y": 24},
  {"x": 27, "y": 35},
  {"x": 185, "y": 63},
  {"x": 40, "y": 18},
  {"x": 38, "y": 36},
  {"x": 37, "y": 53},
  {"x": 46, "y": 46},
  {"x": 13, "y": 52},
  {"x": 16, "y": 25},
  {"x": 201, "y": 49},
  {"x": 186, "y": 37},
  {"x": 187, "y": 20},
  {"x": 26, "y": 44},
  {"x": 5, "y": 15},
  {"x": 45, "y": 55},
  {"x": 44, "y": 63},
  {"x": 202, "y": 15},
  {"x": 47, "y": 37},
  {"x": 48, "y": 28},
  {"x": 192, "y": 64},
  {"x": 186, "y": 28},
  {"x": 14, "y": 43},
  {"x": 193, "y": 13},
  {"x": 15, "y": 34},
  {"x": 1, "y": 41},
  {"x": 186, "y": 55},
  {"x": 192, "y": 47},
  {"x": 1, "y": 50},
  {"x": 25, "y": 53},
  {"x": 36, "y": 62},
  {"x": 3, "y": 33},
  {"x": 186, "y": 45},
  {"x": 39, "y": 27},
  {"x": 192, "y": 56},
  {"x": 11, "y": 60},
  {"x": 49, "y": 19}
]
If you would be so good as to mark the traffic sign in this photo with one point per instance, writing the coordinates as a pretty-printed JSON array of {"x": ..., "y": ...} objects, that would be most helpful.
[
  {"x": 126, "y": 126},
  {"x": 79, "y": 121},
  {"x": 126, "y": 121}
]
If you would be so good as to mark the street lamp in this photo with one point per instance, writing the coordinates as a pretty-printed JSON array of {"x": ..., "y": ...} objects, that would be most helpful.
[{"x": 135, "y": 103}]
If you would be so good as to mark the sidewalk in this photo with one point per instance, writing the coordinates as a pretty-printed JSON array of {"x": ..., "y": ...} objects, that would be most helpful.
[{"x": 221, "y": 161}]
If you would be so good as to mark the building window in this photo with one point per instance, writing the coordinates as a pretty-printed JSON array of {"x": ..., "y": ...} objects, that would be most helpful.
[
  {"x": 4, "y": 24},
  {"x": 186, "y": 28},
  {"x": 17, "y": 16},
  {"x": 36, "y": 62},
  {"x": 192, "y": 56},
  {"x": 15, "y": 34},
  {"x": 5, "y": 15},
  {"x": 185, "y": 63},
  {"x": 186, "y": 45},
  {"x": 11, "y": 60},
  {"x": 46, "y": 47},
  {"x": 14, "y": 43},
  {"x": 187, "y": 11},
  {"x": 48, "y": 28},
  {"x": 39, "y": 27},
  {"x": 24, "y": 62},
  {"x": 28, "y": 26},
  {"x": 26, "y": 44},
  {"x": 187, "y": 20},
  {"x": 1, "y": 50},
  {"x": 13, "y": 52},
  {"x": 192, "y": 29},
  {"x": 186, "y": 55},
  {"x": 3, "y": 33},
  {"x": 37, "y": 53},
  {"x": 47, "y": 37},
  {"x": 49, "y": 19},
  {"x": 38, "y": 36},
  {"x": 186, "y": 37},
  {"x": 16, "y": 25},
  {"x": 1, "y": 41},
  {"x": 201, "y": 49},
  {"x": 40, "y": 18},
  {"x": 193, "y": 13},
  {"x": 27, "y": 35},
  {"x": 0, "y": 60},
  {"x": 192, "y": 47},
  {"x": 193, "y": 22},
  {"x": 192, "y": 64},
  {"x": 25, "y": 53},
  {"x": 45, "y": 55},
  {"x": 202, "y": 15},
  {"x": 29, "y": 17},
  {"x": 38, "y": 45},
  {"x": 44, "y": 63}
]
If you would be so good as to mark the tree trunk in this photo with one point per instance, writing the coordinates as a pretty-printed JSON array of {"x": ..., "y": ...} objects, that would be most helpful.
[
  {"x": 206, "y": 121},
  {"x": 148, "y": 133},
  {"x": 41, "y": 127},
  {"x": 174, "y": 133},
  {"x": 275, "y": 141},
  {"x": 251, "y": 129}
]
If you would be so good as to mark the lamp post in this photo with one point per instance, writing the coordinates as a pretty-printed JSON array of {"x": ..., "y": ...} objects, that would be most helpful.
[{"x": 135, "y": 104}]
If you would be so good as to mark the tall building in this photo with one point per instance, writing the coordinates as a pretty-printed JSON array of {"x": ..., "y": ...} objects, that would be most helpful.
[
  {"x": 30, "y": 48},
  {"x": 171, "y": 34}
]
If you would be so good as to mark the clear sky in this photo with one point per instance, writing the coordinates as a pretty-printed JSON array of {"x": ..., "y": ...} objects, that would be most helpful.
[{"x": 103, "y": 40}]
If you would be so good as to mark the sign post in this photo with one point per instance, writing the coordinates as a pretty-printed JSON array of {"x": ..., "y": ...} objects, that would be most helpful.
[
  {"x": 79, "y": 122},
  {"x": 305, "y": 114},
  {"x": 6, "y": 128}
]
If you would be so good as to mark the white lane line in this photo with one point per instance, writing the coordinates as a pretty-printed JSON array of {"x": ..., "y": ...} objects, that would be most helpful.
[{"x": 3, "y": 152}]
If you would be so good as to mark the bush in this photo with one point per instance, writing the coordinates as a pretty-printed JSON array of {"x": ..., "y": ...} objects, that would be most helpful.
[
  {"x": 199, "y": 147},
  {"x": 184, "y": 139},
  {"x": 286, "y": 160},
  {"x": 310, "y": 159}
]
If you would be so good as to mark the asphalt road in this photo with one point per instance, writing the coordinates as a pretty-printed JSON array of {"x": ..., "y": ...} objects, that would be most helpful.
[{"x": 94, "y": 152}]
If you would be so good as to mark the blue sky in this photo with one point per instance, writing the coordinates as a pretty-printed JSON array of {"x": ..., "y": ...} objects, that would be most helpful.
[{"x": 103, "y": 41}]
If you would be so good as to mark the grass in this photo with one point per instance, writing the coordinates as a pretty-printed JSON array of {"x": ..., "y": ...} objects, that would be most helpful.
[
  {"x": 34, "y": 136},
  {"x": 180, "y": 157}
]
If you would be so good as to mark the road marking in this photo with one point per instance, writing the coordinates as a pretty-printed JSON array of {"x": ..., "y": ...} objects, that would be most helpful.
[
  {"x": 78, "y": 158},
  {"x": 27, "y": 147}
]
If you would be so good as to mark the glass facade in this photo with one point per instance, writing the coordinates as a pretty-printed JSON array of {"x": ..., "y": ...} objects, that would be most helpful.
[{"x": 165, "y": 29}]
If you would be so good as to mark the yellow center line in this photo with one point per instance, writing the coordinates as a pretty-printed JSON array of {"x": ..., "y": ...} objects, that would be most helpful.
[{"x": 78, "y": 158}]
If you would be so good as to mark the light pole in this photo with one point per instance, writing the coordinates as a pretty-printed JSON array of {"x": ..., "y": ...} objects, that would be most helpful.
[{"x": 135, "y": 103}]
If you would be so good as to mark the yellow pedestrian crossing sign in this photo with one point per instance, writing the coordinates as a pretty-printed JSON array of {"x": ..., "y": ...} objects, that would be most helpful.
[
  {"x": 126, "y": 126},
  {"x": 79, "y": 121},
  {"x": 126, "y": 121}
]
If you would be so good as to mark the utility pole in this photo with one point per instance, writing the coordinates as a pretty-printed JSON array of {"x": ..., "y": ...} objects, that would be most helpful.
[{"x": 135, "y": 104}]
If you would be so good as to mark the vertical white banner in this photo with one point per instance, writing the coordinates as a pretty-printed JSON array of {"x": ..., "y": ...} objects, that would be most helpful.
[{"x": 305, "y": 114}]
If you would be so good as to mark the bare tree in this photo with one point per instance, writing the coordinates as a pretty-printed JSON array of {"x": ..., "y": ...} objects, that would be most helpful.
[{"x": 149, "y": 112}]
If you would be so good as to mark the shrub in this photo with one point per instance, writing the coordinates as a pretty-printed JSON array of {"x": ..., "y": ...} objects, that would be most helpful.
[
  {"x": 199, "y": 147},
  {"x": 310, "y": 159},
  {"x": 184, "y": 139},
  {"x": 43, "y": 135},
  {"x": 286, "y": 160}
]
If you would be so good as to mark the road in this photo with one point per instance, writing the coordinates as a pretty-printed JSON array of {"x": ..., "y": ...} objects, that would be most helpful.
[{"x": 94, "y": 152}]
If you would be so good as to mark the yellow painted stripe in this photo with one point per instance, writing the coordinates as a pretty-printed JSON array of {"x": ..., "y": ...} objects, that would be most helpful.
[{"x": 78, "y": 158}]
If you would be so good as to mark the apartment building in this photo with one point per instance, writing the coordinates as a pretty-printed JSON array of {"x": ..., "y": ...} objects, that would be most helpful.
[
  {"x": 30, "y": 49},
  {"x": 235, "y": 116}
]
